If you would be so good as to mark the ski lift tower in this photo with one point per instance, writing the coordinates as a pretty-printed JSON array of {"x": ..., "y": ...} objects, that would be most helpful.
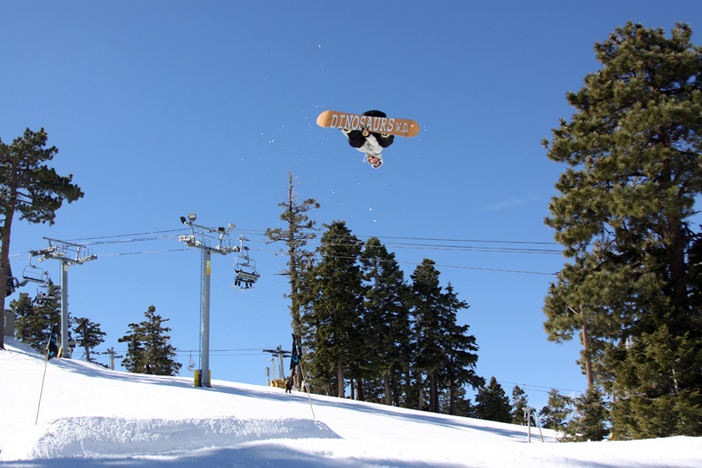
[
  {"x": 68, "y": 254},
  {"x": 280, "y": 354},
  {"x": 202, "y": 240}
]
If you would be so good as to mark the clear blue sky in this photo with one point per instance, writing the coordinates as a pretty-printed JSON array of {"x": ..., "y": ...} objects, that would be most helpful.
[{"x": 164, "y": 108}]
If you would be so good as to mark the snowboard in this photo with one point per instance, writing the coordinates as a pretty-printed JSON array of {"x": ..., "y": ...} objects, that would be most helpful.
[{"x": 399, "y": 127}]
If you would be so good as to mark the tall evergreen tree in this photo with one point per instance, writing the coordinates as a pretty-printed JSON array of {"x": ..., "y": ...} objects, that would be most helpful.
[
  {"x": 633, "y": 150},
  {"x": 460, "y": 352},
  {"x": 556, "y": 414},
  {"x": 444, "y": 352},
  {"x": 462, "y": 406},
  {"x": 135, "y": 359},
  {"x": 589, "y": 421},
  {"x": 493, "y": 403},
  {"x": 662, "y": 398},
  {"x": 333, "y": 301},
  {"x": 23, "y": 309},
  {"x": 149, "y": 345},
  {"x": 28, "y": 187},
  {"x": 520, "y": 401},
  {"x": 386, "y": 321},
  {"x": 89, "y": 335},
  {"x": 427, "y": 303},
  {"x": 299, "y": 231}
]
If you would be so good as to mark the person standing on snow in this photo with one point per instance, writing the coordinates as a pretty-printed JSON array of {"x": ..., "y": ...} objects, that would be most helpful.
[{"x": 370, "y": 143}]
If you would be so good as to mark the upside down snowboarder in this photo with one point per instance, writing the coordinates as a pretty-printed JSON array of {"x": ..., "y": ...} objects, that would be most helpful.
[
  {"x": 369, "y": 132},
  {"x": 370, "y": 143}
]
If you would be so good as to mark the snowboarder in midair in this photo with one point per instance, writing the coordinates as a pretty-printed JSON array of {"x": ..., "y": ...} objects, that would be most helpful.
[{"x": 370, "y": 143}]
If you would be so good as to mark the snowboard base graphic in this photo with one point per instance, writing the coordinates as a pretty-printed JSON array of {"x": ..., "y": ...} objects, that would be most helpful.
[{"x": 391, "y": 126}]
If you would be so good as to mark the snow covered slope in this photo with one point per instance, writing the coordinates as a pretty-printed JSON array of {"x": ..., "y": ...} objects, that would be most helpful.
[{"x": 91, "y": 417}]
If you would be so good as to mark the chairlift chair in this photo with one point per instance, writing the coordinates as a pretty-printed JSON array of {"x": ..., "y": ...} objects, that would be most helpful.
[
  {"x": 43, "y": 291},
  {"x": 43, "y": 295},
  {"x": 246, "y": 274},
  {"x": 191, "y": 365},
  {"x": 33, "y": 273}
]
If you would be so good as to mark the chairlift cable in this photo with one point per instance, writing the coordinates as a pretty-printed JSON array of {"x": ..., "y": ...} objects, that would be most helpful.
[
  {"x": 126, "y": 235},
  {"x": 144, "y": 252},
  {"x": 117, "y": 239}
]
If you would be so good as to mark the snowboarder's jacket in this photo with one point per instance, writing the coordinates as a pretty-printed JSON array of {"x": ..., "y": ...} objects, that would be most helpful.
[{"x": 374, "y": 143}]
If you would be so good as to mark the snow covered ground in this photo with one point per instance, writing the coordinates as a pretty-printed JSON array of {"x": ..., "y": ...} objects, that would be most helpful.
[{"x": 91, "y": 417}]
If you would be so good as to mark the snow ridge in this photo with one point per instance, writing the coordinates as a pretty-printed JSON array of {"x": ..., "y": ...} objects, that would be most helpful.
[{"x": 106, "y": 436}]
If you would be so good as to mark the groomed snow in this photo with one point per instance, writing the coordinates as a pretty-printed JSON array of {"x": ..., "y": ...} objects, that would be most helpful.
[{"x": 92, "y": 417}]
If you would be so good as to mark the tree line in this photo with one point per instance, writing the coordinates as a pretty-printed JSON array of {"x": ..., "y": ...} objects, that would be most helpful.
[
  {"x": 367, "y": 330},
  {"x": 364, "y": 327},
  {"x": 148, "y": 343}
]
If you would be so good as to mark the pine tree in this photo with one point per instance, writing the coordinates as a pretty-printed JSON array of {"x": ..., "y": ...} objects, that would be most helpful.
[
  {"x": 149, "y": 348},
  {"x": 31, "y": 189},
  {"x": 493, "y": 403},
  {"x": 633, "y": 151},
  {"x": 663, "y": 399},
  {"x": 24, "y": 317},
  {"x": 444, "y": 352},
  {"x": 556, "y": 414},
  {"x": 426, "y": 302},
  {"x": 460, "y": 352},
  {"x": 136, "y": 359},
  {"x": 89, "y": 335},
  {"x": 520, "y": 401},
  {"x": 300, "y": 230},
  {"x": 385, "y": 321},
  {"x": 332, "y": 293},
  {"x": 462, "y": 405},
  {"x": 589, "y": 422}
]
